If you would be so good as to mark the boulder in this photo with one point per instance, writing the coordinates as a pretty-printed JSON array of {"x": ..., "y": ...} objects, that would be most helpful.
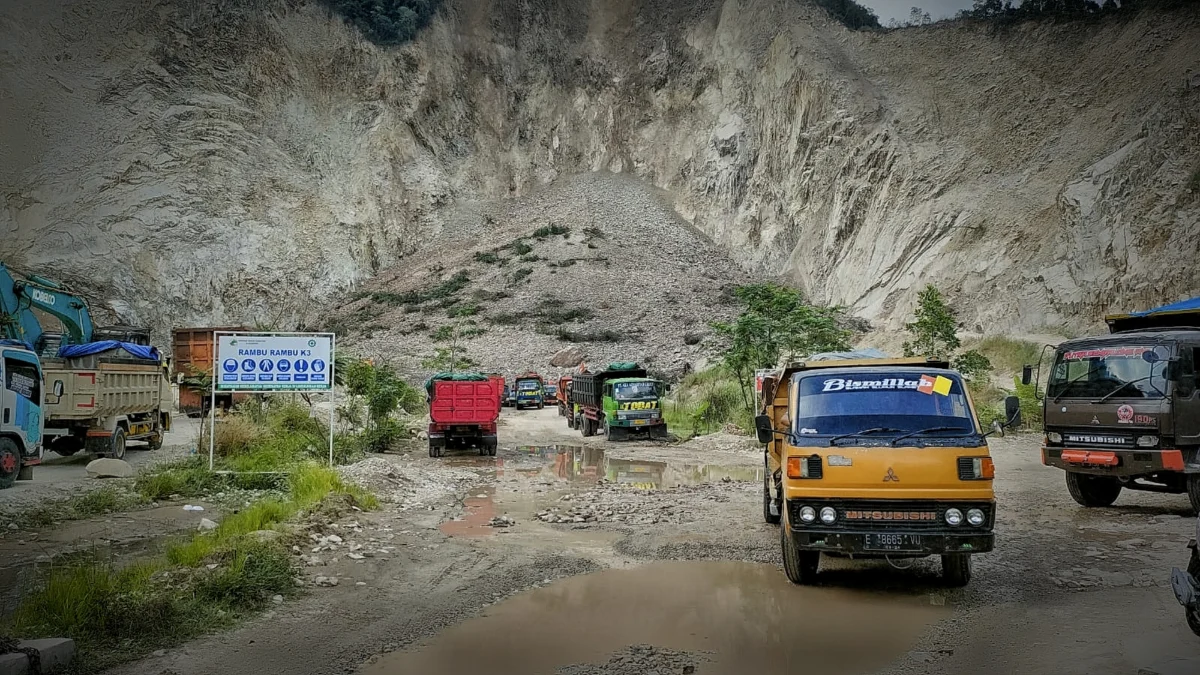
[
  {"x": 568, "y": 357},
  {"x": 206, "y": 524},
  {"x": 109, "y": 468}
]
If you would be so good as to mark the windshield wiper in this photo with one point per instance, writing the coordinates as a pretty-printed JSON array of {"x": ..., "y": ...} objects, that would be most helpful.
[
  {"x": 1114, "y": 392},
  {"x": 930, "y": 430},
  {"x": 876, "y": 430}
]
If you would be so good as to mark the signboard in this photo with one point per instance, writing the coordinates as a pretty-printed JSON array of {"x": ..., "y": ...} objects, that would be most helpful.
[{"x": 289, "y": 362}]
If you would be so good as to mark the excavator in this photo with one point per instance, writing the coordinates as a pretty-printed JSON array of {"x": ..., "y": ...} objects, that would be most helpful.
[{"x": 19, "y": 296}]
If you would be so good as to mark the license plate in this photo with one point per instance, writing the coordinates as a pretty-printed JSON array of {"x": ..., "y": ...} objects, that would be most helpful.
[
  {"x": 891, "y": 542},
  {"x": 639, "y": 422},
  {"x": 463, "y": 430}
]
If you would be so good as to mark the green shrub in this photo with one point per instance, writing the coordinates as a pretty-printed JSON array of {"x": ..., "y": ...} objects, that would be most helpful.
[
  {"x": 851, "y": 14},
  {"x": 589, "y": 336},
  {"x": 552, "y": 230},
  {"x": 490, "y": 296},
  {"x": 973, "y": 365},
  {"x": 520, "y": 274},
  {"x": 486, "y": 257},
  {"x": 1009, "y": 355},
  {"x": 521, "y": 248},
  {"x": 466, "y": 310}
]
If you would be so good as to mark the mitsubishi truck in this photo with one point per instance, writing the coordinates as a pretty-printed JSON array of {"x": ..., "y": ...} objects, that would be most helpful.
[
  {"x": 618, "y": 401},
  {"x": 463, "y": 411},
  {"x": 876, "y": 458},
  {"x": 22, "y": 418},
  {"x": 563, "y": 400},
  {"x": 529, "y": 391},
  {"x": 1122, "y": 410}
]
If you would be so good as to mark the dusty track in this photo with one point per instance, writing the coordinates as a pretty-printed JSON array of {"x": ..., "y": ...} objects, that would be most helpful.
[{"x": 1067, "y": 591}]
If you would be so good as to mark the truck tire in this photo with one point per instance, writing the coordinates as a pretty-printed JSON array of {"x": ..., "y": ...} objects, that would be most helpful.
[
  {"x": 800, "y": 566},
  {"x": 570, "y": 420},
  {"x": 155, "y": 442},
  {"x": 1093, "y": 491},
  {"x": 1193, "y": 491},
  {"x": 956, "y": 569},
  {"x": 492, "y": 446},
  {"x": 435, "y": 449},
  {"x": 10, "y": 463},
  {"x": 768, "y": 500},
  {"x": 117, "y": 442}
]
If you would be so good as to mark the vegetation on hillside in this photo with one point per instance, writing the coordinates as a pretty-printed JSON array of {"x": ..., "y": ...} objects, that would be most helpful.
[
  {"x": 851, "y": 14},
  {"x": 1008, "y": 11},
  {"x": 387, "y": 22}
]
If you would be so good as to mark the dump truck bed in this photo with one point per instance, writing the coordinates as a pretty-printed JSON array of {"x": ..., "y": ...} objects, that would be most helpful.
[
  {"x": 96, "y": 387},
  {"x": 465, "y": 402}
]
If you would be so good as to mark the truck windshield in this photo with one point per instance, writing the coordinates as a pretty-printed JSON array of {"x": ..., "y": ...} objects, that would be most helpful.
[
  {"x": 635, "y": 391},
  {"x": 1120, "y": 371},
  {"x": 528, "y": 385},
  {"x": 894, "y": 402}
]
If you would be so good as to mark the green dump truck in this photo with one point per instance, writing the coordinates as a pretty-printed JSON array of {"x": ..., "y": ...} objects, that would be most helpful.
[{"x": 620, "y": 401}]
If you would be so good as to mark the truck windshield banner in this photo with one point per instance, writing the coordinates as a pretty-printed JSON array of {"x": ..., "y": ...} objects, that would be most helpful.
[
  {"x": 275, "y": 362},
  {"x": 1106, "y": 353}
]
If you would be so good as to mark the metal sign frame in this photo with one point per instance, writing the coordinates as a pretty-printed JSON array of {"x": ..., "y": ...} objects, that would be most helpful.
[{"x": 212, "y": 408}]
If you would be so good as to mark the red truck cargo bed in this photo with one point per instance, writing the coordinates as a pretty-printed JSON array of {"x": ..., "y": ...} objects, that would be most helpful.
[{"x": 459, "y": 402}]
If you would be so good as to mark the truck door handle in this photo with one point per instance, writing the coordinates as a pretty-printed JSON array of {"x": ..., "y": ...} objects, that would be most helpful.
[{"x": 7, "y": 415}]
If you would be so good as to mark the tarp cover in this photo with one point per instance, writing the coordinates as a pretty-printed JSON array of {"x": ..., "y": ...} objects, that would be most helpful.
[
  {"x": 16, "y": 343},
  {"x": 623, "y": 365},
  {"x": 868, "y": 353},
  {"x": 1181, "y": 306},
  {"x": 456, "y": 377},
  {"x": 140, "y": 351}
]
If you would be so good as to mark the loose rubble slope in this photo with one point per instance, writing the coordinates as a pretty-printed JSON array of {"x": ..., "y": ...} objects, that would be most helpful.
[{"x": 612, "y": 274}]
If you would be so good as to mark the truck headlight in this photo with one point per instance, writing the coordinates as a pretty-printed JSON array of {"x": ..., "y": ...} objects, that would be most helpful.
[
  {"x": 828, "y": 515},
  {"x": 1054, "y": 437},
  {"x": 975, "y": 517},
  {"x": 954, "y": 516},
  {"x": 1147, "y": 441},
  {"x": 807, "y": 514}
]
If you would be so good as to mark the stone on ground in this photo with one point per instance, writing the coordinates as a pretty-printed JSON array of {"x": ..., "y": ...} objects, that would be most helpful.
[{"x": 107, "y": 467}]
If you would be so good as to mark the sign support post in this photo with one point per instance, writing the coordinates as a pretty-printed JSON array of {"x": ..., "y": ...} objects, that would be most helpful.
[{"x": 266, "y": 363}]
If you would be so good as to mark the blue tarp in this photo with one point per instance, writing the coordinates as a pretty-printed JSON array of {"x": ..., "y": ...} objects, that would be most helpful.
[
  {"x": 16, "y": 343},
  {"x": 140, "y": 351},
  {"x": 1181, "y": 306}
]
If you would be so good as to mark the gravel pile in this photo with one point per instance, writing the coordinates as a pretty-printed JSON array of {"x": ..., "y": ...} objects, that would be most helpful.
[
  {"x": 406, "y": 485},
  {"x": 624, "y": 263},
  {"x": 641, "y": 660},
  {"x": 614, "y": 503}
]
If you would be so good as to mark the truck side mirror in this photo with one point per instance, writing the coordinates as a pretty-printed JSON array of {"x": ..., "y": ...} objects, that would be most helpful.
[
  {"x": 58, "y": 389},
  {"x": 1012, "y": 411},
  {"x": 1026, "y": 374},
  {"x": 766, "y": 431}
]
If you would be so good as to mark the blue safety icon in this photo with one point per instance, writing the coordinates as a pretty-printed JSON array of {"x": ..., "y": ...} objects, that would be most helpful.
[
  {"x": 230, "y": 365},
  {"x": 301, "y": 366},
  {"x": 248, "y": 365},
  {"x": 266, "y": 365},
  {"x": 318, "y": 366},
  {"x": 283, "y": 365}
]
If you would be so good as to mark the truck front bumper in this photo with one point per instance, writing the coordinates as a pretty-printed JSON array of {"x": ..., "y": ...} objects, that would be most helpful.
[
  {"x": 893, "y": 543},
  {"x": 1120, "y": 463}
]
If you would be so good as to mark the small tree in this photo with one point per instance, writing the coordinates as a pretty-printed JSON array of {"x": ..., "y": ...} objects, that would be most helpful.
[
  {"x": 383, "y": 393},
  {"x": 934, "y": 331},
  {"x": 449, "y": 355}
]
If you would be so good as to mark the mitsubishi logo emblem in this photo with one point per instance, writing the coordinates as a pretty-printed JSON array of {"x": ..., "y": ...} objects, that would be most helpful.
[
  {"x": 891, "y": 476},
  {"x": 1095, "y": 420}
]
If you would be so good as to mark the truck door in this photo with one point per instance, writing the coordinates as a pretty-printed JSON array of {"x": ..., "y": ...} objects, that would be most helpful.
[
  {"x": 22, "y": 397},
  {"x": 1187, "y": 399}
]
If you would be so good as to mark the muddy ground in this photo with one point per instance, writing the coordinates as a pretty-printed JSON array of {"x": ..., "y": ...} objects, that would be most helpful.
[{"x": 568, "y": 556}]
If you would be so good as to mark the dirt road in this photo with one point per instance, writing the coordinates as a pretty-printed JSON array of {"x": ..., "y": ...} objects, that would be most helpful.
[{"x": 573, "y": 557}]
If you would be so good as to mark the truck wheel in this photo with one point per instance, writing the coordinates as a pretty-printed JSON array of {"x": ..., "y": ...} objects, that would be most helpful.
[
  {"x": 570, "y": 421},
  {"x": 1193, "y": 490},
  {"x": 10, "y": 462},
  {"x": 435, "y": 449},
  {"x": 800, "y": 566},
  {"x": 116, "y": 448},
  {"x": 770, "y": 510},
  {"x": 1093, "y": 491},
  {"x": 155, "y": 442},
  {"x": 492, "y": 447},
  {"x": 956, "y": 569}
]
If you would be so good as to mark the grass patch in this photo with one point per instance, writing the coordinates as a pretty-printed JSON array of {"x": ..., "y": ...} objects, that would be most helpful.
[
  {"x": 708, "y": 401},
  {"x": 442, "y": 291},
  {"x": 508, "y": 318},
  {"x": 108, "y": 499},
  {"x": 521, "y": 248},
  {"x": 469, "y": 309},
  {"x": 589, "y": 336},
  {"x": 487, "y": 257},
  {"x": 593, "y": 232},
  {"x": 1008, "y": 355},
  {"x": 530, "y": 258},
  {"x": 521, "y": 274},
  {"x": 560, "y": 316},
  {"x": 552, "y": 230},
  {"x": 490, "y": 296}
]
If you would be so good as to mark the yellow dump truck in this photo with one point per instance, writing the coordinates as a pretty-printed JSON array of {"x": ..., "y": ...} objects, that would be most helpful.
[
  {"x": 876, "y": 458},
  {"x": 99, "y": 402}
]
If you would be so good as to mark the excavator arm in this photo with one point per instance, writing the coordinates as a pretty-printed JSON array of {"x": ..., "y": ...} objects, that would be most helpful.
[{"x": 19, "y": 296}]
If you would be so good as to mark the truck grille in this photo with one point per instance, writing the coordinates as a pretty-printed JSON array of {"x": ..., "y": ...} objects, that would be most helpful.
[
  {"x": 637, "y": 414},
  {"x": 1097, "y": 439},
  {"x": 901, "y": 514}
]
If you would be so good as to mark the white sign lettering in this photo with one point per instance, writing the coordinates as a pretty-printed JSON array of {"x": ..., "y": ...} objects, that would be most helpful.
[
  {"x": 274, "y": 362},
  {"x": 42, "y": 296},
  {"x": 891, "y": 383}
]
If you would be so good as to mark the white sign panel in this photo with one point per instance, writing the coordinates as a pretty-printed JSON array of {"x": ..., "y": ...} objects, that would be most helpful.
[{"x": 274, "y": 363}]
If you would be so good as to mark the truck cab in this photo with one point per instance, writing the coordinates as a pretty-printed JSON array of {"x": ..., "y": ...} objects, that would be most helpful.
[
  {"x": 21, "y": 413},
  {"x": 632, "y": 405},
  {"x": 1122, "y": 411},
  {"x": 876, "y": 458},
  {"x": 529, "y": 392}
]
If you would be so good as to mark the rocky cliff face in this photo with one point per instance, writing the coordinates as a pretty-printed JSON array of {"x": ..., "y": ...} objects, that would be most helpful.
[{"x": 194, "y": 162}]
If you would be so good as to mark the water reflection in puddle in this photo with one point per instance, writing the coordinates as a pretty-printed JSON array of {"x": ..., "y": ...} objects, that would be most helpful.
[
  {"x": 746, "y": 618},
  {"x": 588, "y": 465}
]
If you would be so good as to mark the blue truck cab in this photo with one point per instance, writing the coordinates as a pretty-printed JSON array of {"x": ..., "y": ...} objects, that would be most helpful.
[{"x": 21, "y": 412}]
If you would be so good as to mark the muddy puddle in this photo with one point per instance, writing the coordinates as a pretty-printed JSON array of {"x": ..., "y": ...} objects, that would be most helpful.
[
  {"x": 730, "y": 618},
  {"x": 590, "y": 465}
]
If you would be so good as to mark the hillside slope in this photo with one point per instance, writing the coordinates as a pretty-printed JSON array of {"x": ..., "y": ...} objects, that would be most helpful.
[{"x": 212, "y": 162}]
